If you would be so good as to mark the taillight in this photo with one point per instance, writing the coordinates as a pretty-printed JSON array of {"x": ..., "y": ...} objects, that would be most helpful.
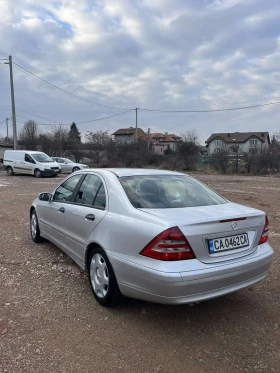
[
  {"x": 264, "y": 236},
  {"x": 169, "y": 245}
]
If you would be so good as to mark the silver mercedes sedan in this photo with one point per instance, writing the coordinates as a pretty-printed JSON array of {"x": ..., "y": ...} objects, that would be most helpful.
[{"x": 155, "y": 235}]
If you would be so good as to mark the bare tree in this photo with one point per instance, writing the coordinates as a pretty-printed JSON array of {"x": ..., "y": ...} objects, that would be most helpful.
[
  {"x": 75, "y": 150},
  {"x": 29, "y": 135},
  {"x": 220, "y": 161},
  {"x": 97, "y": 144},
  {"x": 55, "y": 142},
  {"x": 188, "y": 149}
]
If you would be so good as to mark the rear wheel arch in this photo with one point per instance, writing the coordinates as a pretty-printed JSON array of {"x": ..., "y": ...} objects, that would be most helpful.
[
  {"x": 10, "y": 170},
  {"x": 89, "y": 250},
  {"x": 102, "y": 277},
  {"x": 31, "y": 210}
]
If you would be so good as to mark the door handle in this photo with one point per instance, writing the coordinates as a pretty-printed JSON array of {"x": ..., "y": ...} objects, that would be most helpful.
[
  {"x": 90, "y": 217},
  {"x": 62, "y": 210}
]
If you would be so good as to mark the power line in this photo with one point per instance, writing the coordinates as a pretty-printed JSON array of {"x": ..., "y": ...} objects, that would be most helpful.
[
  {"x": 111, "y": 116},
  {"x": 66, "y": 92},
  {"x": 212, "y": 110},
  {"x": 20, "y": 68},
  {"x": 47, "y": 124},
  {"x": 32, "y": 115}
]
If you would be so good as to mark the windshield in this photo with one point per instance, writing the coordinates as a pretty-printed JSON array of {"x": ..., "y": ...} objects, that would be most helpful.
[
  {"x": 42, "y": 157},
  {"x": 168, "y": 191}
]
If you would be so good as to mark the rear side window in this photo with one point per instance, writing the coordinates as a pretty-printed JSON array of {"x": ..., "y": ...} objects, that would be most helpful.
[
  {"x": 92, "y": 192},
  {"x": 168, "y": 191}
]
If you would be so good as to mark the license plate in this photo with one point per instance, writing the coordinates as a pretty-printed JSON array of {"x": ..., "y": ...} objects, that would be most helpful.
[{"x": 228, "y": 243}]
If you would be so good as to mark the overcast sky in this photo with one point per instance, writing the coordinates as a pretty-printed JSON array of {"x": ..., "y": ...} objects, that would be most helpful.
[{"x": 158, "y": 54}]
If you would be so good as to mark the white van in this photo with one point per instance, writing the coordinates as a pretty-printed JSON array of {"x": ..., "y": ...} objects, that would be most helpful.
[{"x": 30, "y": 162}]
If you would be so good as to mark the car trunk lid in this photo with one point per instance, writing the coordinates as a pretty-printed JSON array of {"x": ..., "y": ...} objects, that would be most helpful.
[{"x": 204, "y": 223}]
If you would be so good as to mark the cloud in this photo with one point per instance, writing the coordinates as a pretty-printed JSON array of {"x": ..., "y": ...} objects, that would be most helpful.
[{"x": 152, "y": 54}]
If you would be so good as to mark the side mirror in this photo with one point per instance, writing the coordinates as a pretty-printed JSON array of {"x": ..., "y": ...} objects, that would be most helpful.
[{"x": 45, "y": 197}]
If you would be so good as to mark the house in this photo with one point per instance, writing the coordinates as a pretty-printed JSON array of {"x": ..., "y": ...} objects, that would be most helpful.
[
  {"x": 170, "y": 141},
  {"x": 154, "y": 146},
  {"x": 127, "y": 135},
  {"x": 238, "y": 142},
  {"x": 159, "y": 142}
]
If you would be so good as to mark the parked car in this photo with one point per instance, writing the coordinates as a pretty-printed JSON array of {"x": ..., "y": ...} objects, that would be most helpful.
[
  {"x": 155, "y": 235},
  {"x": 29, "y": 162},
  {"x": 68, "y": 166}
]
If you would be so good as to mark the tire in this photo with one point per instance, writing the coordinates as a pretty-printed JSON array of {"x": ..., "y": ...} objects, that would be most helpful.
[
  {"x": 37, "y": 173},
  {"x": 102, "y": 279},
  {"x": 10, "y": 171},
  {"x": 34, "y": 227},
  {"x": 76, "y": 169}
]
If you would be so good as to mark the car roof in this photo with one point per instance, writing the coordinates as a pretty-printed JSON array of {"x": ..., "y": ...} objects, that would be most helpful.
[{"x": 133, "y": 171}]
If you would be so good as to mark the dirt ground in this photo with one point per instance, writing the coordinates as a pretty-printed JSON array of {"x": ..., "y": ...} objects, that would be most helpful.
[{"x": 50, "y": 322}]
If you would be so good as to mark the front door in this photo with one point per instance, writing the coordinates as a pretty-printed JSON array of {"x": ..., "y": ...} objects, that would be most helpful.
[
  {"x": 26, "y": 166},
  {"x": 63, "y": 164},
  {"x": 52, "y": 215},
  {"x": 83, "y": 216}
]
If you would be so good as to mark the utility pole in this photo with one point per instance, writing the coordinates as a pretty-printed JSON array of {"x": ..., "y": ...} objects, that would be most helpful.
[
  {"x": 136, "y": 128},
  {"x": 236, "y": 163},
  {"x": 7, "y": 125},
  {"x": 13, "y": 102},
  {"x": 149, "y": 140}
]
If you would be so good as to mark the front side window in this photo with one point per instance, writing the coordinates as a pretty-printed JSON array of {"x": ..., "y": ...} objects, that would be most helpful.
[
  {"x": 164, "y": 191},
  {"x": 92, "y": 192},
  {"x": 66, "y": 190},
  {"x": 59, "y": 160},
  {"x": 28, "y": 159}
]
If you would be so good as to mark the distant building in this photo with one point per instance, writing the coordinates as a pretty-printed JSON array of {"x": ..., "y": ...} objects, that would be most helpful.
[
  {"x": 3, "y": 147},
  {"x": 159, "y": 142},
  {"x": 237, "y": 142},
  {"x": 127, "y": 135},
  {"x": 168, "y": 140}
]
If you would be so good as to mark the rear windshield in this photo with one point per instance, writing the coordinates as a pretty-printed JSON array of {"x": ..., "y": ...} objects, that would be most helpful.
[
  {"x": 166, "y": 191},
  {"x": 41, "y": 157}
]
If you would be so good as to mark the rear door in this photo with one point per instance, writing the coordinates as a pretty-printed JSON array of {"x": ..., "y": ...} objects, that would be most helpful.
[
  {"x": 52, "y": 214},
  {"x": 85, "y": 213}
]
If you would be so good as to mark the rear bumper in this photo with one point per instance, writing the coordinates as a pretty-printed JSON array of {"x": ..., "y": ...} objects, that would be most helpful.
[{"x": 191, "y": 286}]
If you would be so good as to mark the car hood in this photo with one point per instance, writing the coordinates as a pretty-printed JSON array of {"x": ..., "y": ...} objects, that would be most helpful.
[{"x": 49, "y": 164}]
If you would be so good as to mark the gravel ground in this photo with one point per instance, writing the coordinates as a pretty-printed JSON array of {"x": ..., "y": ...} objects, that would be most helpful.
[{"x": 50, "y": 322}]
